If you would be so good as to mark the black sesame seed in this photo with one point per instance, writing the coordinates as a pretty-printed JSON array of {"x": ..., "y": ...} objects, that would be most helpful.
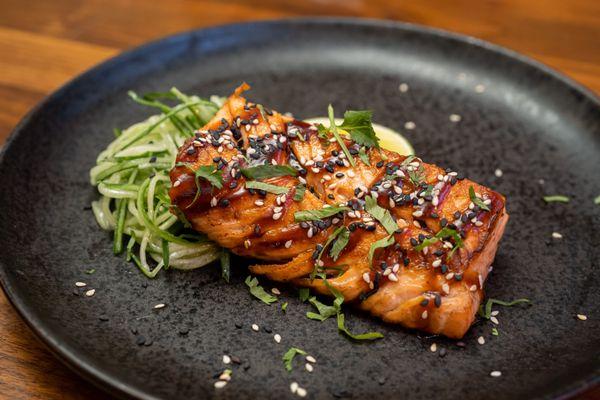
[
  {"x": 236, "y": 360},
  {"x": 353, "y": 151},
  {"x": 414, "y": 242},
  {"x": 184, "y": 331},
  {"x": 238, "y": 325},
  {"x": 190, "y": 151},
  {"x": 437, "y": 300},
  {"x": 153, "y": 159},
  {"x": 267, "y": 329},
  {"x": 224, "y": 202},
  {"x": 330, "y": 196},
  {"x": 443, "y": 222},
  {"x": 443, "y": 268},
  {"x": 379, "y": 164},
  {"x": 140, "y": 340},
  {"x": 370, "y": 228},
  {"x": 406, "y": 261},
  {"x": 443, "y": 352},
  {"x": 458, "y": 277},
  {"x": 424, "y": 302},
  {"x": 339, "y": 175}
]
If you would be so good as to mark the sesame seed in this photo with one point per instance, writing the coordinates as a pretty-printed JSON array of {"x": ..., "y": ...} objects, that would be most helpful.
[
  {"x": 433, "y": 348},
  {"x": 403, "y": 88},
  {"x": 213, "y": 202},
  {"x": 446, "y": 288},
  {"x": 410, "y": 125},
  {"x": 393, "y": 278},
  {"x": 220, "y": 384},
  {"x": 582, "y": 317},
  {"x": 495, "y": 374},
  {"x": 309, "y": 367},
  {"x": 494, "y": 320},
  {"x": 247, "y": 243},
  {"x": 556, "y": 235},
  {"x": 90, "y": 292},
  {"x": 311, "y": 359},
  {"x": 454, "y": 118},
  {"x": 159, "y": 305},
  {"x": 479, "y": 88},
  {"x": 498, "y": 172},
  {"x": 288, "y": 244},
  {"x": 436, "y": 263},
  {"x": 275, "y": 291},
  {"x": 276, "y": 216},
  {"x": 294, "y": 387},
  {"x": 424, "y": 315},
  {"x": 259, "y": 203},
  {"x": 255, "y": 327},
  {"x": 226, "y": 359},
  {"x": 310, "y": 232},
  {"x": 80, "y": 284},
  {"x": 480, "y": 340},
  {"x": 176, "y": 183},
  {"x": 366, "y": 277},
  {"x": 277, "y": 338},
  {"x": 301, "y": 392},
  {"x": 494, "y": 313}
]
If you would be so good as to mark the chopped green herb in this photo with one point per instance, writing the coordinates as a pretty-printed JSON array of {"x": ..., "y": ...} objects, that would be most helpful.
[
  {"x": 340, "y": 243},
  {"x": 324, "y": 311},
  {"x": 362, "y": 154},
  {"x": 495, "y": 332},
  {"x": 225, "y": 265},
  {"x": 556, "y": 199},
  {"x": 303, "y": 294},
  {"x": 337, "y": 136},
  {"x": 444, "y": 233},
  {"x": 360, "y": 127},
  {"x": 362, "y": 336},
  {"x": 284, "y": 307},
  {"x": 381, "y": 214},
  {"x": 268, "y": 171},
  {"x": 267, "y": 187},
  {"x": 315, "y": 215},
  {"x": 417, "y": 177},
  {"x": 257, "y": 291},
  {"x": 476, "y": 200},
  {"x": 289, "y": 355},
  {"x": 407, "y": 161},
  {"x": 206, "y": 172},
  {"x": 329, "y": 240},
  {"x": 597, "y": 200},
  {"x": 90, "y": 271},
  {"x": 300, "y": 189},
  {"x": 381, "y": 243},
  {"x": 487, "y": 311}
]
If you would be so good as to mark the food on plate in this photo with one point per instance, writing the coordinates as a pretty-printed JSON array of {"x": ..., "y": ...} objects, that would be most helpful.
[{"x": 327, "y": 208}]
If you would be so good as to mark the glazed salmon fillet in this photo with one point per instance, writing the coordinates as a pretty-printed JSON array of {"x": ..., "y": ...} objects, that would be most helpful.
[{"x": 409, "y": 242}]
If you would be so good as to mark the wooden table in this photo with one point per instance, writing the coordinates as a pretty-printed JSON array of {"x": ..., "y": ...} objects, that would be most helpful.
[{"x": 45, "y": 43}]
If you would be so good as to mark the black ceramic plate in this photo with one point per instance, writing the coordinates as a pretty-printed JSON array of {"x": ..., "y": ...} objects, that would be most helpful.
[{"x": 528, "y": 121}]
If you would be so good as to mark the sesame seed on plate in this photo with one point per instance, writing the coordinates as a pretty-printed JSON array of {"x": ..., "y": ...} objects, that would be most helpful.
[
  {"x": 301, "y": 392},
  {"x": 556, "y": 235},
  {"x": 220, "y": 384},
  {"x": 498, "y": 172},
  {"x": 90, "y": 292},
  {"x": 275, "y": 291},
  {"x": 294, "y": 387},
  {"x": 255, "y": 327},
  {"x": 309, "y": 367},
  {"x": 80, "y": 284},
  {"x": 288, "y": 244},
  {"x": 480, "y": 88},
  {"x": 494, "y": 313},
  {"x": 410, "y": 125},
  {"x": 226, "y": 359},
  {"x": 454, "y": 118},
  {"x": 582, "y": 317},
  {"x": 403, "y": 87},
  {"x": 159, "y": 305},
  {"x": 494, "y": 320},
  {"x": 277, "y": 338},
  {"x": 433, "y": 348},
  {"x": 480, "y": 340},
  {"x": 176, "y": 183},
  {"x": 424, "y": 315},
  {"x": 311, "y": 359},
  {"x": 495, "y": 374}
]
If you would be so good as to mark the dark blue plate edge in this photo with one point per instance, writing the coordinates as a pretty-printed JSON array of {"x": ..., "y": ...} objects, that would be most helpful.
[{"x": 110, "y": 383}]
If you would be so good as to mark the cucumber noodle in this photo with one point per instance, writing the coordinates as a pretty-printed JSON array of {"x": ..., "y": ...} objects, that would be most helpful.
[{"x": 132, "y": 176}]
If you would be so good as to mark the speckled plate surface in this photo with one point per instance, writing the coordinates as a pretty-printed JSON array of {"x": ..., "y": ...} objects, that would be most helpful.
[{"x": 539, "y": 128}]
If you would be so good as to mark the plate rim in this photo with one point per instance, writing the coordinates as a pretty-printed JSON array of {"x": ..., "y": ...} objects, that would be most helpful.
[{"x": 111, "y": 383}]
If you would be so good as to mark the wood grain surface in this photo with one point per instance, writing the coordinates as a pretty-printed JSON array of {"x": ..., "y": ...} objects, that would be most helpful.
[{"x": 44, "y": 43}]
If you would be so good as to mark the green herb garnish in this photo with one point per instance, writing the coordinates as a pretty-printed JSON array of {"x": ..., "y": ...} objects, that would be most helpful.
[
  {"x": 340, "y": 243},
  {"x": 381, "y": 214},
  {"x": 336, "y": 134},
  {"x": 360, "y": 127},
  {"x": 476, "y": 200},
  {"x": 381, "y": 243},
  {"x": 303, "y": 294},
  {"x": 267, "y": 187},
  {"x": 225, "y": 264},
  {"x": 299, "y": 194},
  {"x": 417, "y": 177},
  {"x": 362, "y": 336},
  {"x": 206, "y": 172},
  {"x": 324, "y": 311},
  {"x": 444, "y": 233},
  {"x": 315, "y": 215},
  {"x": 329, "y": 240},
  {"x": 268, "y": 171},
  {"x": 257, "y": 291},
  {"x": 90, "y": 271},
  {"x": 284, "y": 307},
  {"x": 556, "y": 199},
  {"x": 597, "y": 200},
  {"x": 486, "y": 312},
  {"x": 495, "y": 332},
  {"x": 166, "y": 254},
  {"x": 289, "y": 355},
  {"x": 362, "y": 154}
]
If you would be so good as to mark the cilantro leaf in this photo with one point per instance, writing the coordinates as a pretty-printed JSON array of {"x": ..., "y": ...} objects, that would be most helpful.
[
  {"x": 324, "y": 311},
  {"x": 289, "y": 355},
  {"x": 381, "y": 243},
  {"x": 444, "y": 233},
  {"x": 336, "y": 134},
  {"x": 362, "y": 154},
  {"x": 268, "y": 171},
  {"x": 476, "y": 200},
  {"x": 257, "y": 291},
  {"x": 315, "y": 215},
  {"x": 341, "y": 323},
  {"x": 303, "y": 294},
  {"x": 340, "y": 243},
  {"x": 487, "y": 311},
  {"x": 284, "y": 307},
  {"x": 381, "y": 214},
  {"x": 360, "y": 127},
  {"x": 267, "y": 187},
  {"x": 207, "y": 172}
]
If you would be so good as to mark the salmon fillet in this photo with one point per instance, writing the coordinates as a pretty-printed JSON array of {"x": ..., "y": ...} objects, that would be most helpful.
[{"x": 419, "y": 239}]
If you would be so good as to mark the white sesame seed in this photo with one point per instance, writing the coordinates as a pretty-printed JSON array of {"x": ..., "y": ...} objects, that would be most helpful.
[
  {"x": 315, "y": 170},
  {"x": 495, "y": 374},
  {"x": 225, "y": 376},
  {"x": 403, "y": 88},
  {"x": 226, "y": 359},
  {"x": 387, "y": 272},
  {"x": 277, "y": 338},
  {"x": 247, "y": 243},
  {"x": 276, "y": 216},
  {"x": 294, "y": 387},
  {"x": 494, "y": 320},
  {"x": 366, "y": 277},
  {"x": 159, "y": 305},
  {"x": 449, "y": 275},
  {"x": 90, "y": 292},
  {"x": 473, "y": 288},
  {"x": 418, "y": 213},
  {"x": 80, "y": 284},
  {"x": 310, "y": 232},
  {"x": 393, "y": 278},
  {"x": 498, "y": 172},
  {"x": 351, "y": 174},
  {"x": 311, "y": 359},
  {"x": 479, "y": 88},
  {"x": 275, "y": 291},
  {"x": 410, "y": 125},
  {"x": 433, "y": 347},
  {"x": 424, "y": 315},
  {"x": 177, "y": 183},
  {"x": 556, "y": 235},
  {"x": 480, "y": 340},
  {"x": 288, "y": 244},
  {"x": 213, "y": 202},
  {"x": 446, "y": 288},
  {"x": 220, "y": 384},
  {"x": 582, "y": 317},
  {"x": 309, "y": 367},
  {"x": 255, "y": 327},
  {"x": 395, "y": 268},
  {"x": 278, "y": 209},
  {"x": 259, "y": 203},
  {"x": 436, "y": 263},
  {"x": 454, "y": 118},
  {"x": 494, "y": 313},
  {"x": 416, "y": 223},
  {"x": 301, "y": 392}
]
